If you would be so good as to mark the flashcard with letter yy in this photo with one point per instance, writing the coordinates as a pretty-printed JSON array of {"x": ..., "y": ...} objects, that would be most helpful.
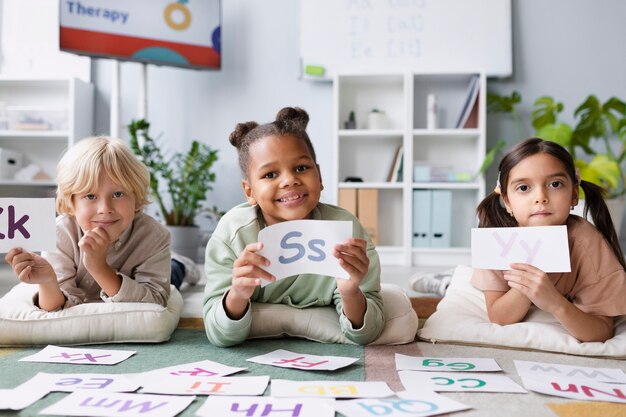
[
  {"x": 286, "y": 359},
  {"x": 545, "y": 247},
  {"x": 84, "y": 356},
  {"x": 304, "y": 247}
]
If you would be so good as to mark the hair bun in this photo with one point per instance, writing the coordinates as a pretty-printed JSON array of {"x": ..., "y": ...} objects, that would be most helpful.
[
  {"x": 294, "y": 115},
  {"x": 241, "y": 130}
]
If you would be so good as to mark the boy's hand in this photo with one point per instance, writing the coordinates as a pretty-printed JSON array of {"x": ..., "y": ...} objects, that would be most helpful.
[
  {"x": 353, "y": 259},
  {"x": 535, "y": 285},
  {"x": 30, "y": 267},
  {"x": 95, "y": 244},
  {"x": 248, "y": 271}
]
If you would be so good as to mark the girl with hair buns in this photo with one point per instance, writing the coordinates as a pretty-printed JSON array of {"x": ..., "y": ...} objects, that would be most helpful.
[
  {"x": 537, "y": 186},
  {"x": 282, "y": 182}
]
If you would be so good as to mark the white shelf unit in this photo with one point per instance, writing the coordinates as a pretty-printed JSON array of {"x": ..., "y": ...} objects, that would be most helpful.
[
  {"x": 369, "y": 154},
  {"x": 72, "y": 96}
]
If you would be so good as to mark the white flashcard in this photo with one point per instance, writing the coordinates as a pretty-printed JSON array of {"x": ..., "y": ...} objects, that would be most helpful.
[
  {"x": 201, "y": 369},
  {"x": 237, "y": 385},
  {"x": 330, "y": 389},
  {"x": 83, "y": 356},
  {"x": 304, "y": 247},
  {"x": 416, "y": 381},
  {"x": 20, "y": 397},
  {"x": 426, "y": 403},
  {"x": 545, "y": 247},
  {"x": 286, "y": 359},
  {"x": 114, "y": 404},
  {"x": 28, "y": 223},
  {"x": 73, "y": 382},
  {"x": 266, "y": 406},
  {"x": 541, "y": 370},
  {"x": 577, "y": 389},
  {"x": 423, "y": 363}
]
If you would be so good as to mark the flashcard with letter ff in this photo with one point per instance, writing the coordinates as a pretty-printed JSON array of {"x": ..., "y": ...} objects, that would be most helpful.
[
  {"x": 304, "y": 247},
  {"x": 28, "y": 223},
  {"x": 545, "y": 247},
  {"x": 286, "y": 359}
]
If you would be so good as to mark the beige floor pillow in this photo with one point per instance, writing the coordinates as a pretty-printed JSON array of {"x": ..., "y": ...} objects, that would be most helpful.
[
  {"x": 461, "y": 317},
  {"x": 321, "y": 324},
  {"x": 21, "y": 323}
]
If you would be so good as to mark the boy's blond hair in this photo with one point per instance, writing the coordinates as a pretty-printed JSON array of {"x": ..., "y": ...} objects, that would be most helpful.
[{"x": 81, "y": 165}]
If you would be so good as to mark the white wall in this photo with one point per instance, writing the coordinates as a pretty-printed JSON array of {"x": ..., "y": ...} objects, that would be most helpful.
[{"x": 259, "y": 76}]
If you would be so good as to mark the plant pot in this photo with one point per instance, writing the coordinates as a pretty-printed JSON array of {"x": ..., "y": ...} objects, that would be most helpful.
[
  {"x": 185, "y": 240},
  {"x": 376, "y": 120}
]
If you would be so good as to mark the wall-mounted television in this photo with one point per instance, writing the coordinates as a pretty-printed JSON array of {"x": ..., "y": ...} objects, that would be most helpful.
[{"x": 183, "y": 33}]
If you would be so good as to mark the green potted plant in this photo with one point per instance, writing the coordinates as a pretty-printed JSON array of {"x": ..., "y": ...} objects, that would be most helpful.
[
  {"x": 179, "y": 184},
  {"x": 596, "y": 140}
]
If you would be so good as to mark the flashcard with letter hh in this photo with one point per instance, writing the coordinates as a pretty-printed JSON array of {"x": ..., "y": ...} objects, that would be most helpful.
[
  {"x": 85, "y": 356},
  {"x": 27, "y": 223},
  {"x": 304, "y": 247},
  {"x": 267, "y": 406},
  {"x": 545, "y": 247},
  {"x": 286, "y": 359},
  {"x": 113, "y": 404}
]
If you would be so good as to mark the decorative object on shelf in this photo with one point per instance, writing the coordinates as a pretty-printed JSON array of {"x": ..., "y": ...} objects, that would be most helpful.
[
  {"x": 36, "y": 118},
  {"x": 376, "y": 119},
  {"x": 353, "y": 179},
  {"x": 10, "y": 163},
  {"x": 31, "y": 172},
  {"x": 351, "y": 122},
  {"x": 188, "y": 178},
  {"x": 431, "y": 111}
]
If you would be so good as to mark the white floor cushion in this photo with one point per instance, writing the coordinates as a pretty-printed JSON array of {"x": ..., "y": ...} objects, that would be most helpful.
[
  {"x": 321, "y": 324},
  {"x": 461, "y": 317},
  {"x": 21, "y": 323}
]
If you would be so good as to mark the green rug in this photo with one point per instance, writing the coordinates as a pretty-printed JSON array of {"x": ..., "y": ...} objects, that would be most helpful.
[{"x": 185, "y": 346}]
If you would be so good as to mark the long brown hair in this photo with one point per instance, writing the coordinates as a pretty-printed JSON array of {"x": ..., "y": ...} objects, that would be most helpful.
[{"x": 491, "y": 212}]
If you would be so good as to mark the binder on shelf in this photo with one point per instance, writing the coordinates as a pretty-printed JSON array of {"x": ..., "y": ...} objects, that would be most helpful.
[
  {"x": 367, "y": 209},
  {"x": 395, "y": 171},
  {"x": 441, "y": 218},
  {"x": 422, "y": 208},
  {"x": 469, "y": 104},
  {"x": 347, "y": 199}
]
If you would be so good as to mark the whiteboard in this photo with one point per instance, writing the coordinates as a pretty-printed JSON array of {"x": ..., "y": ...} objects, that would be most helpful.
[{"x": 387, "y": 35}]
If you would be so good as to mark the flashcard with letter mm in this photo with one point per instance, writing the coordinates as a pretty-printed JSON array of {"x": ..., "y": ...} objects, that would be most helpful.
[
  {"x": 114, "y": 404},
  {"x": 545, "y": 247},
  {"x": 540, "y": 370},
  {"x": 28, "y": 223}
]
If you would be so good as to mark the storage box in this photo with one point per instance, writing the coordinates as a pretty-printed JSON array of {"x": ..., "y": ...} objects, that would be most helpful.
[
  {"x": 10, "y": 163},
  {"x": 36, "y": 118}
]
